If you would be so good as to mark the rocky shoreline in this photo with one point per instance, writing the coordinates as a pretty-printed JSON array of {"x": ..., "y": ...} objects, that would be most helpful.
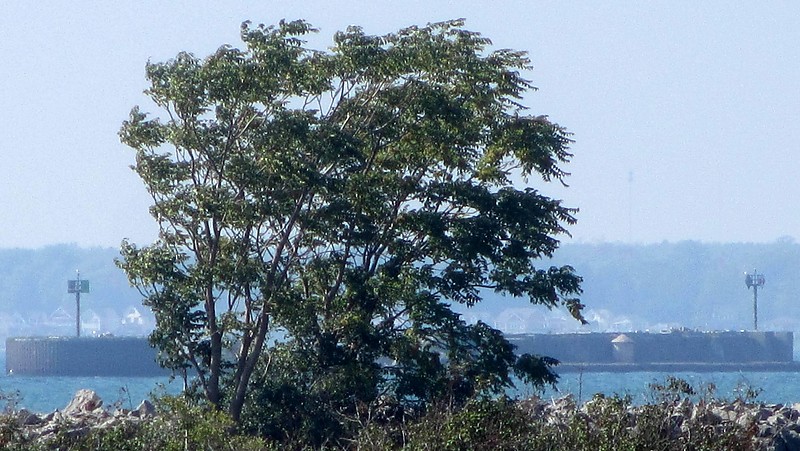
[
  {"x": 768, "y": 427},
  {"x": 84, "y": 413},
  {"x": 773, "y": 427}
]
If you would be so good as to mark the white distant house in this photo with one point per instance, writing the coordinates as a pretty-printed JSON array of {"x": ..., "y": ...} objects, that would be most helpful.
[
  {"x": 473, "y": 317},
  {"x": 135, "y": 322},
  {"x": 522, "y": 320},
  {"x": 132, "y": 316},
  {"x": 90, "y": 322},
  {"x": 60, "y": 317}
]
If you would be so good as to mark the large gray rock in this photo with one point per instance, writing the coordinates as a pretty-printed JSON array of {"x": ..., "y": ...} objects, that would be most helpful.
[
  {"x": 84, "y": 401},
  {"x": 145, "y": 409},
  {"x": 26, "y": 418}
]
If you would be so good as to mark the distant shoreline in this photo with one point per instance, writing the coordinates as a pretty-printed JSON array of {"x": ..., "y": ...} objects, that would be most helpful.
[{"x": 682, "y": 367}]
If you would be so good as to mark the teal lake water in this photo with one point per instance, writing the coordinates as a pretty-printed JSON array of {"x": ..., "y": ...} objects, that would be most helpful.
[
  {"x": 45, "y": 394},
  {"x": 774, "y": 387}
]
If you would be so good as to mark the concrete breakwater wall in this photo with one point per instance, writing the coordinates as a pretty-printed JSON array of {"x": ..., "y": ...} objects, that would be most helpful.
[
  {"x": 647, "y": 349},
  {"x": 629, "y": 351},
  {"x": 72, "y": 356}
]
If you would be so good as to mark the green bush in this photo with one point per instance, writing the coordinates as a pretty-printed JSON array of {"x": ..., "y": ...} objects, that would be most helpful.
[
  {"x": 609, "y": 423},
  {"x": 482, "y": 424},
  {"x": 671, "y": 422}
]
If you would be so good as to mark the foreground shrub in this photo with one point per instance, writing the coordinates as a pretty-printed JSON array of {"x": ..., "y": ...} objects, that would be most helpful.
[
  {"x": 609, "y": 423},
  {"x": 675, "y": 419},
  {"x": 480, "y": 424}
]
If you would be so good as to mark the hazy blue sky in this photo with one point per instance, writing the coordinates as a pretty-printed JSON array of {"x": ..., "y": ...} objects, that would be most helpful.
[{"x": 684, "y": 113}]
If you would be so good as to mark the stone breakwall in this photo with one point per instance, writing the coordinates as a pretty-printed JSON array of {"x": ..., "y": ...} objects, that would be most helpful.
[
  {"x": 85, "y": 356},
  {"x": 679, "y": 346},
  {"x": 84, "y": 413},
  {"x": 773, "y": 427}
]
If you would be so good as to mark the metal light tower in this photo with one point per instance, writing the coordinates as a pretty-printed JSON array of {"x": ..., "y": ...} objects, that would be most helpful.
[
  {"x": 78, "y": 286},
  {"x": 754, "y": 280}
]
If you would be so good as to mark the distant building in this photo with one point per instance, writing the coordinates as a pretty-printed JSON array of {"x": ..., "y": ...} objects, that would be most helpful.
[
  {"x": 521, "y": 320},
  {"x": 133, "y": 316}
]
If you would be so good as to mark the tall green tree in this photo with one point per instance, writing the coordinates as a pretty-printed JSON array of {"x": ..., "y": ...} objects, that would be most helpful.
[{"x": 320, "y": 212}]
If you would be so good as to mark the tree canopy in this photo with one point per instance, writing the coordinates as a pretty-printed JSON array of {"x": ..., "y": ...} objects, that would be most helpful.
[{"x": 320, "y": 212}]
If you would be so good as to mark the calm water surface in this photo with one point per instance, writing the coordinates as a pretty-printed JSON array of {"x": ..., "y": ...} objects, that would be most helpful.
[
  {"x": 774, "y": 387},
  {"x": 45, "y": 394}
]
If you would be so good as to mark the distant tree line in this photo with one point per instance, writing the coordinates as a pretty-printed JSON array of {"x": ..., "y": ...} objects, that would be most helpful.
[
  {"x": 34, "y": 289},
  {"x": 690, "y": 284},
  {"x": 686, "y": 284}
]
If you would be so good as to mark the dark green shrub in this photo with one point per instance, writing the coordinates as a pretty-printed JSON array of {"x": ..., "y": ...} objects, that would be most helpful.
[{"x": 481, "y": 424}]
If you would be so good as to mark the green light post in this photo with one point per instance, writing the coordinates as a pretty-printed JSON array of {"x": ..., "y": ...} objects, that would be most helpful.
[
  {"x": 78, "y": 286},
  {"x": 754, "y": 280}
]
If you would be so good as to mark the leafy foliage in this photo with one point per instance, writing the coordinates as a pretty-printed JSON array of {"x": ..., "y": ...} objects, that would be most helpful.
[
  {"x": 321, "y": 211},
  {"x": 675, "y": 422},
  {"x": 604, "y": 423}
]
